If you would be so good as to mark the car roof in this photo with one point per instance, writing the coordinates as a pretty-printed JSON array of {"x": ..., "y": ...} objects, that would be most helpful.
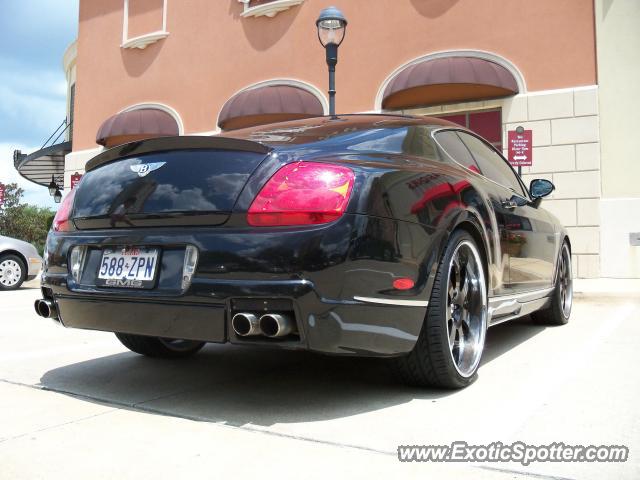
[
  {"x": 325, "y": 133},
  {"x": 311, "y": 130}
]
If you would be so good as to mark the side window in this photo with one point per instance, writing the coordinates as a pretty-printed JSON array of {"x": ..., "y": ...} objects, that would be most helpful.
[
  {"x": 492, "y": 165},
  {"x": 452, "y": 144}
]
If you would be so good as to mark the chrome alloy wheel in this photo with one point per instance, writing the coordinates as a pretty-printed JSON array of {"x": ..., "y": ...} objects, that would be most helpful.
[
  {"x": 466, "y": 311},
  {"x": 10, "y": 273},
  {"x": 565, "y": 280}
]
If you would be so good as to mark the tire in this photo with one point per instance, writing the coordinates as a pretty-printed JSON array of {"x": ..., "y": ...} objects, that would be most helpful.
[
  {"x": 13, "y": 272},
  {"x": 559, "y": 311},
  {"x": 457, "y": 310},
  {"x": 159, "y": 347}
]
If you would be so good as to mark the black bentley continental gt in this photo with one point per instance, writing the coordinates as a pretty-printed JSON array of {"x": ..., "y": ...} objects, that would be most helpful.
[{"x": 366, "y": 235}]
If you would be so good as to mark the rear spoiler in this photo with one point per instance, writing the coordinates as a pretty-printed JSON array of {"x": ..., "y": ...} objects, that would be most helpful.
[{"x": 175, "y": 143}]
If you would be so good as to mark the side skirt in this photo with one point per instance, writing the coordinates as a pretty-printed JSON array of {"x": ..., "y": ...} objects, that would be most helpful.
[{"x": 509, "y": 307}]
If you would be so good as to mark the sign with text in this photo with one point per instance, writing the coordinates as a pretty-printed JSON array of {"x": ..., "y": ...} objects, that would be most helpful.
[
  {"x": 520, "y": 153},
  {"x": 1, "y": 194},
  {"x": 75, "y": 180}
]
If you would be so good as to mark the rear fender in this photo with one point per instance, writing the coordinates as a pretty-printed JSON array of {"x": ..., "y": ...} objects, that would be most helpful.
[{"x": 475, "y": 222}]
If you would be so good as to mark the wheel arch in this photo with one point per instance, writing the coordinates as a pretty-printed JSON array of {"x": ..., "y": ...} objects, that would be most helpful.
[
  {"x": 565, "y": 239},
  {"x": 469, "y": 221},
  {"x": 475, "y": 232},
  {"x": 17, "y": 254},
  {"x": 472, "y": 229}
]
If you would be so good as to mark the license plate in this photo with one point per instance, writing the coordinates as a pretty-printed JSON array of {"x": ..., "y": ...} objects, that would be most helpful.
[{"x": 130, "y": 267}]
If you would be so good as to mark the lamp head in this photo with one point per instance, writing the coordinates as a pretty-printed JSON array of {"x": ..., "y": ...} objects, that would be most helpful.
[{"x": 332, "y": 26}]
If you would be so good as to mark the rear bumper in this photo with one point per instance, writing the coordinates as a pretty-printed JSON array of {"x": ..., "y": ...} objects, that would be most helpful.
[
  {"x": 324, "y": 325},
  {"x": 336, "y": 284}
]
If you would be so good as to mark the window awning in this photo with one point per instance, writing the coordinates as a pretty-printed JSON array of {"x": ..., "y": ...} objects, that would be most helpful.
[
  {"x": 268, "y": 104},
  {"x": 43, "y": 164},
  {"x": 135, "y": 125},
  {"x": 448, "y": 80}
]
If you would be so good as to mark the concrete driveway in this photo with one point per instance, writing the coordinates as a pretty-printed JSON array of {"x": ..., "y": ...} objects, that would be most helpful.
[{"x": 77, "y": 404}]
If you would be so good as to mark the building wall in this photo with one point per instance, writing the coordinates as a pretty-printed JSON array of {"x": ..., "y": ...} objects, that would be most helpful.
[
  {"x": 211, "y": 52},
  {"x": 618, "y": 46},
  {"x": 207, "y": 52}
]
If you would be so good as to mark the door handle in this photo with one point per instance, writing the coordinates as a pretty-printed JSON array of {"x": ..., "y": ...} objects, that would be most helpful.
[{"x": 510, "y": 204}]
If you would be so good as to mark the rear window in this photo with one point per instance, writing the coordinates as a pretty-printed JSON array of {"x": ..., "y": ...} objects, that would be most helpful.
[{"x": 177, "y": 181}]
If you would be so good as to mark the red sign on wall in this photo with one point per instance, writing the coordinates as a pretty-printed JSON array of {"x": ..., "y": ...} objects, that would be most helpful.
[
  {"x": 1, "y": 194},
  {"x": 75, "y": 180},
  {"x": 520, "y": 153}
]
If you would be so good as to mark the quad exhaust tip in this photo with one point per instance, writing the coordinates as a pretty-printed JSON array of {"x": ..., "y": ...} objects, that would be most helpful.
[
  {"x": 245, "y": 324},
  {"x": 275, "y": 325},
  {"x": 46, "y": 309},
  {"x": 272, "y": 325}
]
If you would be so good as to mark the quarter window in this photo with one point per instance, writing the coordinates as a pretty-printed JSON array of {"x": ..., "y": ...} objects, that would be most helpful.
[
  {"x": 491, "y": 164},
  {"x": 452, "y": 144}
]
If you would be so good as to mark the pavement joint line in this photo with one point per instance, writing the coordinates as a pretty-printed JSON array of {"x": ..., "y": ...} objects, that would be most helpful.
[
  {"x": 524, "y": 473},
  {"x": 57, "y": 425},
  {"x": 138, "y": 406},
  {"x": 50, "y": 427}
]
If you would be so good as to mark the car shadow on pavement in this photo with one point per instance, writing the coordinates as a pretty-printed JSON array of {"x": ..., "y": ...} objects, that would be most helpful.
[{"x": 239, "y": 385}]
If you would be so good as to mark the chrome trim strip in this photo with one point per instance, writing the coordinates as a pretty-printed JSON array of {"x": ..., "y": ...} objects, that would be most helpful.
[{"x": 389, "y": 301}]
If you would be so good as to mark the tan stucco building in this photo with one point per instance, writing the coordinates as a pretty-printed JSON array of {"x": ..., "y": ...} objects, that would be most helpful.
[{"x": 565, "y": 70}]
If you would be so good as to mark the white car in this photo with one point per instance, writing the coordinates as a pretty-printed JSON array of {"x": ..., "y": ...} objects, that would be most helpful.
[{"x": 19, "y": 261}]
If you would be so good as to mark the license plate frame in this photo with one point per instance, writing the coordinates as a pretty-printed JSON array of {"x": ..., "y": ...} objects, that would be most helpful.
[{"x": 124, "y": 280}]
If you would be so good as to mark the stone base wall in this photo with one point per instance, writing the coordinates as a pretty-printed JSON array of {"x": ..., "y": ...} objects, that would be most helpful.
[{"x": 566, "y": 150}]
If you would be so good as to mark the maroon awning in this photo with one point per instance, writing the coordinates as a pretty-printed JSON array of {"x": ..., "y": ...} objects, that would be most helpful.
[
  {"x": 136, "y": 125},
  {"x": 268, "y": 104},
  {"x": 447, "y": 80}
]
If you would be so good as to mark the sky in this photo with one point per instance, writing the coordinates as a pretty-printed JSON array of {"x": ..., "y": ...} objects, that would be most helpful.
[{"x": 33, "y": 37}]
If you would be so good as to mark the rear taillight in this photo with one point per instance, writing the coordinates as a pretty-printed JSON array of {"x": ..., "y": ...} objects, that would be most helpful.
[
  {"x": 303, "y": 193},
  {"x": 62, "y": 222}
]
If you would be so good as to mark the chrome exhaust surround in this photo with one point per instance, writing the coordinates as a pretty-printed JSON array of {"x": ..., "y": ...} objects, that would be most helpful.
[
  {"x": 46, "y": 309},
  {"x": 245, "y": 324},
  {"x": 276, "y": 325}
]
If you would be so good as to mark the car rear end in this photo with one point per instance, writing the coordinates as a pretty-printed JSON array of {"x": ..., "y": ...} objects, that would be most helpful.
[{"x": 189, "y": 237}]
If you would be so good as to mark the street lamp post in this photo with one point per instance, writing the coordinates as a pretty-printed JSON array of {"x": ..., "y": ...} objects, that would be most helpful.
[{"x": 332, "y": 26}]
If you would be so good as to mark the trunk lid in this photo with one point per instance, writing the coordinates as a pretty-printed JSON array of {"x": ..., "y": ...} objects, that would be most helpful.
[{"x": 172, "y": 181}]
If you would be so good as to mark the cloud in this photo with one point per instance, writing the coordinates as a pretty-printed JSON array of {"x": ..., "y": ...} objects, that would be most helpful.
[
  {"x": 28, "y": 118},
  {"x": 33, "y": 194},
  {"x": 38, "y": 31},
  {"x": 33, "y": 38}
]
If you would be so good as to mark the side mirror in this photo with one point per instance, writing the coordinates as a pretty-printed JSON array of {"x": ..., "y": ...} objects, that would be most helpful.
[{"x": 540, "y": 188}]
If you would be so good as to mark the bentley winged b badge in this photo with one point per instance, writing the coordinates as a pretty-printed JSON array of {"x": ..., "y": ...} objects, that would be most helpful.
[{"x": 144, "y": 169}]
